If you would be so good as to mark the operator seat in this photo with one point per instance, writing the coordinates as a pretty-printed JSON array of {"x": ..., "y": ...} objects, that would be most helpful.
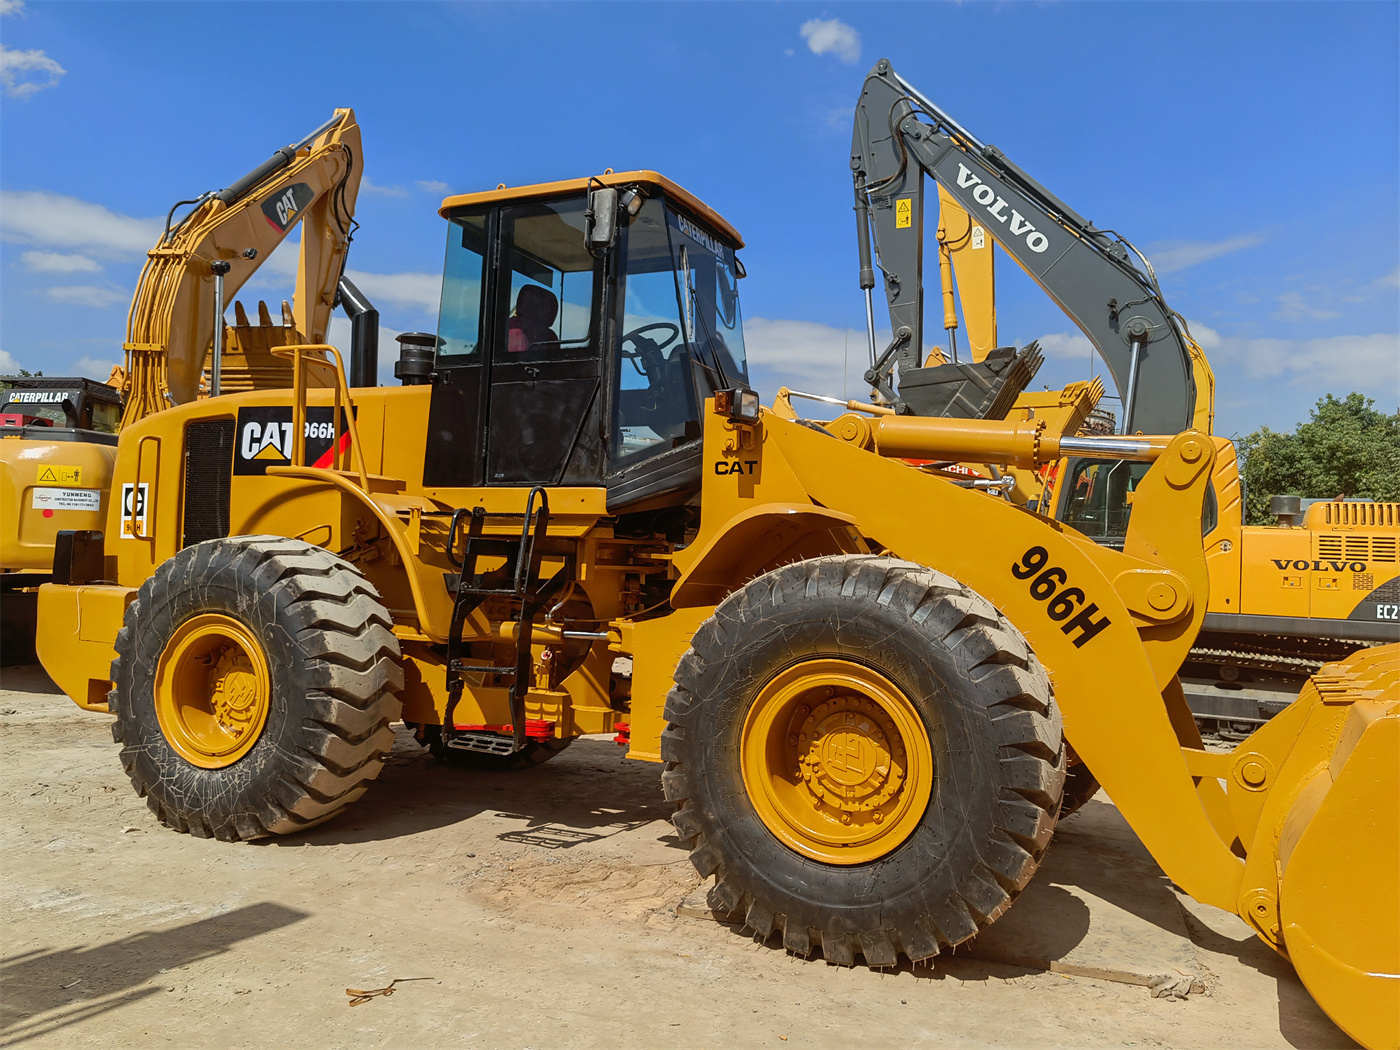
[{"x": 535, "y": 310}]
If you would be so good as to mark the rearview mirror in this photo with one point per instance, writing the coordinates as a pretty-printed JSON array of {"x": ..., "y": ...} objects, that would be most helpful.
[{"x": 601, "y": 218}]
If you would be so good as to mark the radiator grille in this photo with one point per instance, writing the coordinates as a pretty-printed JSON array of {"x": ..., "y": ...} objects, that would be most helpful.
[
  {"x": 1357, "y": 548},
  {"x": 208, "y": 470},
  {"x": 1362, "y": 513}
]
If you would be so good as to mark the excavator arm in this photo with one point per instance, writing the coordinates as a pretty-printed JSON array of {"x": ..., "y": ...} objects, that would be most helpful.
[
  {"x": 173, "y": 314},
  {"x": 1088, "y": 272}
]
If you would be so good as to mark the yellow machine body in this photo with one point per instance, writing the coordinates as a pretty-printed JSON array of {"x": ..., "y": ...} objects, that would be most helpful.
[
  {"x": 1267, "y": 829},
  {"x": 46, "y": 486}
]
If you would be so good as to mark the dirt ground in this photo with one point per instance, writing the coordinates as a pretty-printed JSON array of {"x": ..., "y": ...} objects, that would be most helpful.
[{"x": 540, "y": 906}]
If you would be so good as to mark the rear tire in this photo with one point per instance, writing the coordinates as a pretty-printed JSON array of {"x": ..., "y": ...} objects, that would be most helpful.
[
  {"x": 984, "y": 714},
  {"x": 299, "y": 727}
]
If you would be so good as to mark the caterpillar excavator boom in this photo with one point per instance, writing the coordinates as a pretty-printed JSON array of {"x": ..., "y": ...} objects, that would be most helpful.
[
  {"x": 204, "y": 257},
  {"x": 56, "y": 479}
]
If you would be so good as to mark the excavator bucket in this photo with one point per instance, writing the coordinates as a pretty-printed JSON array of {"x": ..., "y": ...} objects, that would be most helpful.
[
  {"x": 985, "y": 389},
  {"x": 1339, "y": 853}
]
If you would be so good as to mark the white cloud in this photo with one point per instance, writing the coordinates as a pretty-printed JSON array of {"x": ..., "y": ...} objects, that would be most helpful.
[
  {"x": 432, "y": 186},
  {"x": 55, "y": 262},
  {"x": 8, "y": 365},
  {"x": 421, "y": 290},
  {"x": 1339, "y": 362},
  {"x": 1292, "y": 307},
  {"x": 806, "y": 355},
  {"x": 1206, "y": 337},
  {"x": 22, "y": 73},
  {"x": 12, "y": 7},
  {"x": 1173, "y": 256},
  {"x": 1390, "y": 280},
  {"x": 54, "y": 221},
  {"x": 384, "y": 191},
  {"x": 832, "y": 37},
  {"x": 87, "y": 295},
  {"x": 94, "y": 368},
  {"x": 1066, "y": 346}
]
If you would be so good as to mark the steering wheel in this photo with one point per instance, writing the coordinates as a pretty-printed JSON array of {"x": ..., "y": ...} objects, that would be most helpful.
[{"x": 648, "y": 350}]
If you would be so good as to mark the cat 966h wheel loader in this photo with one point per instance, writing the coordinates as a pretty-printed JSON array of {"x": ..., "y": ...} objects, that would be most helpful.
[{"x": 862, "y": 705}]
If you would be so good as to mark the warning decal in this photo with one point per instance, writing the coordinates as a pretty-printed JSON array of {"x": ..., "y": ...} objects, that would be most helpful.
[
  {"x": 67, "y": 499},
  {"x": 53, "y": 474},
  {"x": 903, "y": 213},
  {"x": 979, "y": 237}
]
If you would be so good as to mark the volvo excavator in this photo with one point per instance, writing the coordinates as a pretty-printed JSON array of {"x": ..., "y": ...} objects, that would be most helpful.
[
  {"x": 860, "y": 679},
  {"x": 1283, "y": 600},
  {"x": 56, "y": 458}
]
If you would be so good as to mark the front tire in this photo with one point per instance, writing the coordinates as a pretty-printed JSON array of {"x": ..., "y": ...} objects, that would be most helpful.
[
  {"x": 254, "y": 685},
  {"x": 865, "y": 755}
]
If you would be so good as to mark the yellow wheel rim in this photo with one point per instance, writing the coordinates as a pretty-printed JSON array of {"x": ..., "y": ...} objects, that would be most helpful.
[
  {"x": 212, "y": 690},
  {"x": 836, "y": 761}
]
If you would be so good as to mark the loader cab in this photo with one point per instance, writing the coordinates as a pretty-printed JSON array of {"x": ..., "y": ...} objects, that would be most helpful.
[{"x": 561, "y": 362}]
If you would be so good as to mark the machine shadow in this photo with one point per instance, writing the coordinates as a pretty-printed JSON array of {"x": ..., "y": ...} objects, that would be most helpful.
[
  {"x": 51, "y": 989},
  {"x": 588, "y": 792},
  {"x": 1150, "y": 895}
]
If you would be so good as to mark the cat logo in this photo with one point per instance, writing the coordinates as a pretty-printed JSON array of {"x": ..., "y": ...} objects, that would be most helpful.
[
  {"x": 285, "y": 209},
  {"x": 135, "y": 500},
  {"x": 270, "y": 441},
  {"x": 263, "y": 437}
]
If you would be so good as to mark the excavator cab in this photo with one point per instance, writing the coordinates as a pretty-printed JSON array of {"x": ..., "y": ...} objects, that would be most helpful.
[{"x": 565, "y": 361}]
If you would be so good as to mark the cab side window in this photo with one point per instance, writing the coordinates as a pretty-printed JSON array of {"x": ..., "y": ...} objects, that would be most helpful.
[
  {"x": 550, "y": 304},
  {"x": 654, "y": 394}
]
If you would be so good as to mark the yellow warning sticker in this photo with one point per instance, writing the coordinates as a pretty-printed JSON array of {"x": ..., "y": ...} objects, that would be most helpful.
[
  {"x": 904, "y": 213},
  {"x": 52, "y": 474}
]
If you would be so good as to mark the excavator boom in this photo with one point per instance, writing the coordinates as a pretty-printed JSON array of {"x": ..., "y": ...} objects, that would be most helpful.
[
  {"x": 1088, "y": 272},
  {"x": 173, "y": 314}
]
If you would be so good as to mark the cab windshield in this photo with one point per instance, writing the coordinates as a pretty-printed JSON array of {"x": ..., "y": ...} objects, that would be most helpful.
[
  {"x": 709, "y": 299},
  {"x": 681, "y": 336}
]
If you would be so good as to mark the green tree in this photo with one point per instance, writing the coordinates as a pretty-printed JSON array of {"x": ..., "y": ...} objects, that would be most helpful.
[{"x": 1346, "y": 449}]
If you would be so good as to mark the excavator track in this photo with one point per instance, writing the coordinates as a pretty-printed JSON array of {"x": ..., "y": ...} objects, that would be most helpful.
[{"x": 1235, "y": 683}]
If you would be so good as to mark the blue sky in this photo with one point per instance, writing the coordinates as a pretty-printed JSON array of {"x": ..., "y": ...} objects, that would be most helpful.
[{"x": 1251, "y": 149}]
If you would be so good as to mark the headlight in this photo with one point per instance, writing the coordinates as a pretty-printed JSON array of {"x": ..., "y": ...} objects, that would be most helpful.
[{"x": 740, "y": 404}]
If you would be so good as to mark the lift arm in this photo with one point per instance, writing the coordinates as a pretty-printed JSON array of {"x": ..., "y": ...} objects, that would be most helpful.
[
  {"x": 1088, "y": 272},
  {"x": 173, "y": 314}
]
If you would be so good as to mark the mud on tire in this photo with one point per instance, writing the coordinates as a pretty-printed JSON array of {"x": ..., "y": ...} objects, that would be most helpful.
[
  {"x": 995, "y": 735},
  {"x": 334, "y": 673}
]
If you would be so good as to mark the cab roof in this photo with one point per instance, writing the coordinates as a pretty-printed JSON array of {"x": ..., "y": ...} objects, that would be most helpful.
[{"x": 609, "y": 178}]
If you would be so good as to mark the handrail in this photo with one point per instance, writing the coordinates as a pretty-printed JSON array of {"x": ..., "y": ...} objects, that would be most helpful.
[{"x": 300, "y": 355}]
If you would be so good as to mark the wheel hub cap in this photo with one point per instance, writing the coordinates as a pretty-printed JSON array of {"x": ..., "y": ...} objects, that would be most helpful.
[
  {"x": 212, "y": 690},
  {"x": 836, "y": 761}
]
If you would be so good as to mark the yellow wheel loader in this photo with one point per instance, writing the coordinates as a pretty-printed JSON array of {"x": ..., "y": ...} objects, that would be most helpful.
[{"x": 862, "y": 705}]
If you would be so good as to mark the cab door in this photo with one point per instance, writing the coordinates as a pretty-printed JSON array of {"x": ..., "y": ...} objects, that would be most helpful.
[
  {"x": 544, "y": 414},
  {"x": 455, "y": 455}
]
